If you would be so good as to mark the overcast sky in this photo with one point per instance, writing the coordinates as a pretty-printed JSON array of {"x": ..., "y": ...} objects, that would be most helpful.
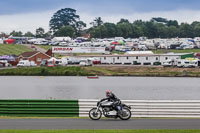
[{"x": 27, "y": 15}]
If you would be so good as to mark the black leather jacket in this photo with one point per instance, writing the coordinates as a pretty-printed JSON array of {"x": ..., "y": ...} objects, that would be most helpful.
[{"x": 113, "y": 99}]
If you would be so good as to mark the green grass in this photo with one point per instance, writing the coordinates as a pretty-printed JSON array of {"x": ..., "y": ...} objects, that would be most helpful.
[
  {"x": 15, "y": 49},
  {"x": 117, "y": 52},
  {"x": 100, "y": 71},
  {"x": 46, "y": 47},
  {"x": 162, "y": 51},
  {"x": 99, "y": 131},
  {"x": 45, "y": 71}
]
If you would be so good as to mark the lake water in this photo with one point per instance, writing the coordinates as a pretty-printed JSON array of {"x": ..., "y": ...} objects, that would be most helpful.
[{"x": 130, "y": 88}]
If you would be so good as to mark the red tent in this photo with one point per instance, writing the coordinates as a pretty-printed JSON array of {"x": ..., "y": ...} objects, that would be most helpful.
[
  {"x": 10, "y": 41},
  {"x": 116, "y": 43}
]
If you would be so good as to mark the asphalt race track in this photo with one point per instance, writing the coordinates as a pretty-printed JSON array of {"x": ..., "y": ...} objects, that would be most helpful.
[{"x": 58, "y": 123}]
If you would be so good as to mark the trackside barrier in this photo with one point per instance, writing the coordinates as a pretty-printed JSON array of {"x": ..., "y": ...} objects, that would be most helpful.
[
  {"x": 42, "y": 108},
  {"x": 152, "y": 108}
]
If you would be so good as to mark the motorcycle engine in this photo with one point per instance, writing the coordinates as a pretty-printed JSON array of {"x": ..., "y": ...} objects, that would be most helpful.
[{"x": 107, "y": 109}]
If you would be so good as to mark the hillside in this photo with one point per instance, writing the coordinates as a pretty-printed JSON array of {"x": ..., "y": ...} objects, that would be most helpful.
[{"x": 15, "y": 49}]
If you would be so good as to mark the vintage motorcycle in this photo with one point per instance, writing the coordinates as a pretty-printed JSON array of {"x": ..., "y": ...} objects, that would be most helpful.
[{"x": 106, "y": 107}]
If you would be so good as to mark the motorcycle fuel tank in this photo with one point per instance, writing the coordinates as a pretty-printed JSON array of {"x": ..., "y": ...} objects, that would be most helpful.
[{"x": 107, "y": 103}]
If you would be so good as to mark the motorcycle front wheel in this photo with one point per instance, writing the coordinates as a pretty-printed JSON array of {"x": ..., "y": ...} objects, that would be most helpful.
[
  {"x": 95, "y": 115},
  {"x": 125, "y": 114}
]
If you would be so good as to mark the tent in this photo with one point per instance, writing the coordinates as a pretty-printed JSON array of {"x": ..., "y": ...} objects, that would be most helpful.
[
  {"x": 121, "y": 42},
  {"x": 8, "y": 58},
  {"x": 118, "y": 42},
  {"x": 10, "y": 41}
]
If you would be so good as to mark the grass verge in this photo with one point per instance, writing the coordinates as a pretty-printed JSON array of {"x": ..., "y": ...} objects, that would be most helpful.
[
  {"x": 44, "y": 71},
  {"x": 102, "y": 71},
  {"x": 163, "y": 51}
]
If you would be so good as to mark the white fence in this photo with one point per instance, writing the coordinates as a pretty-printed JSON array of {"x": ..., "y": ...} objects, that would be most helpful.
[{"x": 152, "y": 108}]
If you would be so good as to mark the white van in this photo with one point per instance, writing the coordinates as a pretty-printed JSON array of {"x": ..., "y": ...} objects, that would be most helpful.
[
  {"x": 86, "y": 62},
  {"x": 26, "y": 63},
  {"x": 170, "y": 63},
  {"x": 187, "y": 63},
  {"x": 61, "y": 62}
]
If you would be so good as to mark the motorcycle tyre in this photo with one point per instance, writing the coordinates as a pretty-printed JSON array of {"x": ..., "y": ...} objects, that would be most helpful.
[
  {"x": 121, "y": 117},
  {"x": 97, "y": 111}
]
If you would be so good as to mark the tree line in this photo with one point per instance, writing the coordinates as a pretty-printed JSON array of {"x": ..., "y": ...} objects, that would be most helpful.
[
  {"x": 155, "y": 28},
  {"x": 66, "y": 22}
]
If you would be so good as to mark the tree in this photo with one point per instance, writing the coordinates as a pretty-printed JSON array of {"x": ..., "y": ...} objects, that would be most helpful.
[
  {"x": 161, "y": 30},
  {"x": 80, "y": 25},
  {"x": 123, "y": 21},
  {"x": 40, "y": 32},
  {"x": 97, "y": 22},
  {"x": 111, "y": 30},
  {"x": 16, "y": 34},
  {"x": 186, "y": 30},
  {"x": 142, "y": 28},
  {"x": 29, "y": 34},
  {"x": 196, "y": 27},
  {"x": 124, "y": 30},
  {"x": 99, "y": 32},
  {"x": 197, "y": 30},
  {"x": 48, "y": 35},
  {"x": 65, "y": 17},
  {"x": 3, "y": 34},
  {"x": 136, "y": 31},
  {"x": 172, "y": 23},
  {"x": 65, "y": 31},
  {"x": 173, "y": 32},
  {"x": 151, "y": 30}
]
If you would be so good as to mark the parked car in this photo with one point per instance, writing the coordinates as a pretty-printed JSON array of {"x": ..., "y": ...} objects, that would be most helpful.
[
  {"x": 5, "y": 63},
  {"x": 44, "y": 62},
  {"x": 63, "y": 44},
  {"x": 61, "y": 62},
  {"x": 42, "y": 43},
  {"x": 54, "y": 43},
  {"x": 170, "y": 63}
]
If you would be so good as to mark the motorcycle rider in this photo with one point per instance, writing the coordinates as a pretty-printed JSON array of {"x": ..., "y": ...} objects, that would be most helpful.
[{"x": 116, "y": 102}]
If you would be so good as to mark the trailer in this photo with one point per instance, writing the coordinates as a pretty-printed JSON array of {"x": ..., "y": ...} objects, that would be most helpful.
[{"x": 188, "y": 63}]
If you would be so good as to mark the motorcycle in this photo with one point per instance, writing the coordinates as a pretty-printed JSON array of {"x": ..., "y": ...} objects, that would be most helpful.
[{"x": 109, "y": 111}]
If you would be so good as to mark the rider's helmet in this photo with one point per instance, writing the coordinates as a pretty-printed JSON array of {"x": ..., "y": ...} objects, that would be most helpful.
[{"x": 108, "y": 93}]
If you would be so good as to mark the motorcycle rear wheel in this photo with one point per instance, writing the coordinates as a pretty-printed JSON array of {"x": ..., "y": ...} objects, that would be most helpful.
[{"x": 93, "y": 115}]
